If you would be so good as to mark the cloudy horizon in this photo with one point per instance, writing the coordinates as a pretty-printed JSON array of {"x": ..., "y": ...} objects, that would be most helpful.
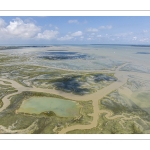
[{"x": 74, "y": 30}]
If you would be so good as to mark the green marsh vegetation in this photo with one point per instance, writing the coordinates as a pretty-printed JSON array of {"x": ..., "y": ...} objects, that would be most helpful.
[
  {"x": 79, "y": 83},
  {"x": 5, "y": 90},
  {"x": 106, "y": 126},
  {"x": 9, "y": 116},
  {"x": 46, "y": 123},
  {"x": 121, "y": 105}
]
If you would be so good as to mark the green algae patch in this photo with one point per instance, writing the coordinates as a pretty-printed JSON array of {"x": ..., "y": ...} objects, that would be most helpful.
[{"x": 61, "y": 107}]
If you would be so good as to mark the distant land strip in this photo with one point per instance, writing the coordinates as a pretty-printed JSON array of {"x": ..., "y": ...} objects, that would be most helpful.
[{"x": 75, "y": 139}]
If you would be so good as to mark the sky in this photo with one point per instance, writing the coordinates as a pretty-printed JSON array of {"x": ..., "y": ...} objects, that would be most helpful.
[{"x": 74, "y": 30}]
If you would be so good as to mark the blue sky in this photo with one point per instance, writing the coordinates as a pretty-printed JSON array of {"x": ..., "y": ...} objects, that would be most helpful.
[{"x": 74, "y": 30}]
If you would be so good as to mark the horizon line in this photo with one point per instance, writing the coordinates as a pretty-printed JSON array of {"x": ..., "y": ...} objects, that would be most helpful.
[{"x": 68, "y": 44}]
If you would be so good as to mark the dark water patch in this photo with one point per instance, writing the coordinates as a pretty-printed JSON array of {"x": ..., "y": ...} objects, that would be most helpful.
[
  {"x": 143, "y": 53},
  {"x": 70, "y": 84},
  {"x": 9, "y": 47},
  {"x": 20, "y": 47},
  {"x": 57, "y": 55},
  {"x": 103, "y": 77},
  {"x": 63, "y": 57},
  {"x": 140, "y": 45}
]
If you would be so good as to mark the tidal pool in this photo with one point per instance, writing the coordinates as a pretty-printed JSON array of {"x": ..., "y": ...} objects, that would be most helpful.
[{"x": 61, "y": 107}]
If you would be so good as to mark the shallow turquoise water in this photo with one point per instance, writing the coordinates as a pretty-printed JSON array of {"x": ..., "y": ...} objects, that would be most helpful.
[{"x": 61, "y": 107}]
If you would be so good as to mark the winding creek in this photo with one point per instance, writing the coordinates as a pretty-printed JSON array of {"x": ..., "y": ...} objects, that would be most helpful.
[{"x": 122, "y": 77}]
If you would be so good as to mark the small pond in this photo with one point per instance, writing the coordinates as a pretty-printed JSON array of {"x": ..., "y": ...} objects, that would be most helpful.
[{"x": 61, "y": 107}]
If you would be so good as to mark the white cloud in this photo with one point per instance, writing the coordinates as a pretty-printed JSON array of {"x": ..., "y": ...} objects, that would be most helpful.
[
  {"x": 127, "y": 34},
  {"x": 144, "y": 40},
  {"x": 99, "y": 36},
  {"x": 92, "y": 30},
  {"x": 73, "y": 21},
  {"x": 70, "y": 36},
  {"x": 134, "y": 38},
  {"x": 105, "y": 27},
  {"x": 2, "y": 23},
  {"x": 47, "y": 34},
  {"x": 102, "y": 27},
  {"x": 81, "y": 38},
  {"x": 56, "y": 28},
  {"x": 92, "y": 33},
  {"x": 30, "y": 20},
  {"x": 78, "y": 33},
  {"x": 89, "y": 39},
  {"x": 99, "y": 28},
  {"x": 145, "y": 31},
  {"x": 65, "y": 38},
  {"x": 18, "y": 29}
]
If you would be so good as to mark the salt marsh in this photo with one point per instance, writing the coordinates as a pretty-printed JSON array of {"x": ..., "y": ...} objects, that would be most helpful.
[{"x": 114, "y": 78}]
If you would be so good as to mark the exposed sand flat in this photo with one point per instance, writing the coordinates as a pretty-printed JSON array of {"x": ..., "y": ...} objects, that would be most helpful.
[{"x": 125, "y": 91}]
